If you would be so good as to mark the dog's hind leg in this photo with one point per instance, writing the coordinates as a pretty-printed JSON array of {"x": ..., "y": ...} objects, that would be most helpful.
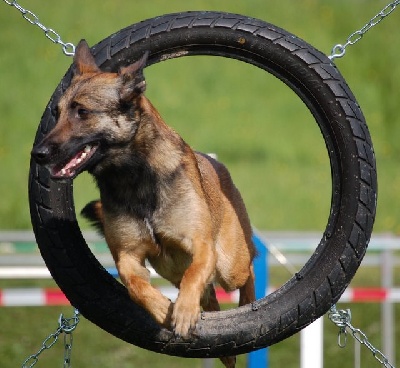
[
  {"x": 247, "y": 292},
  {"x": 210, "y": 303},
  {"x": 209, "y": 300}
]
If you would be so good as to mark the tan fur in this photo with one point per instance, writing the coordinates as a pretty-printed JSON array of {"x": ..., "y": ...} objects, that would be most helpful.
[
  {"x": 202, "y": 226},
  {"x": 198, "y": 234}
]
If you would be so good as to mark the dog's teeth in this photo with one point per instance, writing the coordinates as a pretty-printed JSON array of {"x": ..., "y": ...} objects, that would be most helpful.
[
  {"x": 63, "y": 172},
  {"x": 83, "y": 155},
  {"x": 87, "y": 149},
  {"x": 79, "y": 160}
]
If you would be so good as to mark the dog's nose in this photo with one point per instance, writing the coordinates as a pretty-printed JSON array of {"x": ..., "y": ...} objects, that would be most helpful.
[{"x": 40, "y": 153}]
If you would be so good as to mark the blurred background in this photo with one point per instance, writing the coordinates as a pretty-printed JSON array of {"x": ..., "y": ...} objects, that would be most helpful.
[{"x": 255, "y": 125}]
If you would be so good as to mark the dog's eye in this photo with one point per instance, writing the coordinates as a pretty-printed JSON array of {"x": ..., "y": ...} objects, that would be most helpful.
[{"x": 83, "y": 113}]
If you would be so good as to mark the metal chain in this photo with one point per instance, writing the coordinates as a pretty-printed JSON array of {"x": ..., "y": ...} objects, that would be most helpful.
[
  {"x": 66, "y": 326},
  {"x": 342, "y": 319},
  {"x": 339, "y": 50},
  {"x": 68, "y": 339},
  {"x": 68, "y": 48}
]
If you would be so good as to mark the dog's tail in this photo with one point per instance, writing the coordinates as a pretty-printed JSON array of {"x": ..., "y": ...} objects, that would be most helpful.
[{"x": 93, "y": 212}]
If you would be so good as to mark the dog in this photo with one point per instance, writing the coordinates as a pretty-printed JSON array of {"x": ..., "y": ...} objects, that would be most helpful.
[{"x": 159, "y": 200}]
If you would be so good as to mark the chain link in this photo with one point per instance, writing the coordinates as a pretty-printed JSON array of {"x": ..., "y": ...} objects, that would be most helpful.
[
  {"x": 339, "y": 50},
  {"x": 342, "y": 319},
  {"x": 68, "y": 339},
  {"x": 67, "y": 47},
  {"x": 66, "y": 326}
]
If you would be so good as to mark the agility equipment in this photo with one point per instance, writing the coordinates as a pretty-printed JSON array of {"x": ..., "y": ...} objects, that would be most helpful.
[{"x": 318, "y": 285}]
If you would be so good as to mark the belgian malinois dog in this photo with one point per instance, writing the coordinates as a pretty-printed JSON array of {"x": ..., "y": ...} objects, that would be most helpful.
[{"x": 159, "y": 200}]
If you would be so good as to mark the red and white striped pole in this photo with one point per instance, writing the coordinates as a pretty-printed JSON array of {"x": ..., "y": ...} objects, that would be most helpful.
[{"x": 53, "y": 296}]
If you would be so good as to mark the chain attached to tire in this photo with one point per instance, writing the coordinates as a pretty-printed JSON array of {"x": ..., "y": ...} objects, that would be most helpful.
[
  {"x": 342, "y": 319},
  {"x": 67, "y": 47},
  {"x": 339, "y": 50},
  {"x": 66, "y": 326}
]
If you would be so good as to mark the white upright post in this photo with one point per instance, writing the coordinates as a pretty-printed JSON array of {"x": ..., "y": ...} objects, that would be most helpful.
[
  {"x": 311, "y": 345},
  {"x": 388, "y": 320}
]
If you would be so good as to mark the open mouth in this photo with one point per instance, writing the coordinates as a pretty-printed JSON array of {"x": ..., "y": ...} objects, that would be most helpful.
[{"x": 75, "y": 165}]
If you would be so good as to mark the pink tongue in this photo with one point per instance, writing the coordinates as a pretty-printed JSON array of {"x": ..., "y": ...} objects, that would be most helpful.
[
  {"x": 57, "y": 171},
  {"x": 73, "y": 161}
]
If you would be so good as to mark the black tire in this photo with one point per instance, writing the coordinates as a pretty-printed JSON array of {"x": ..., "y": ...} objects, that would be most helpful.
[{"x": 319, "y": 284}]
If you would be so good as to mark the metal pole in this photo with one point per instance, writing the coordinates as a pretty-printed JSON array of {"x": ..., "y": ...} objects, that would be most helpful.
[
  {"x": 207, "y": 363},
  {"x": 357, "y": 354},
  {"x": 387, "y": 311},
  {"x": 259, "y": 358},
  {"x": 312, "y": 345}
]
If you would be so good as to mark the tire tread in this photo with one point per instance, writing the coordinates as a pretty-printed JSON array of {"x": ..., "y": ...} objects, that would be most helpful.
[{"x": 305, "y": 297}]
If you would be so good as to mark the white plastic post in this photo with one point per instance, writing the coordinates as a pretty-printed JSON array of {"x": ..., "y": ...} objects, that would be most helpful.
[
  {"x": 387, "y": 309},
  {"x": 311, "y": 345}
]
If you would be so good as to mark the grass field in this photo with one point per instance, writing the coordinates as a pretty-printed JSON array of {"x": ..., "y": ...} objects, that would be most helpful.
[
  {"x": 24, "y": 329},
  {"x": 255, "y": 125}
]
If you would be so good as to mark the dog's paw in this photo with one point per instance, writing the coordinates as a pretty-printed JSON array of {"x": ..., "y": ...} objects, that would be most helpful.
[
  {"x": 184, "y": 317},
  {"x": 162, "y": 312},
  {"x": 229, "y": 362}
]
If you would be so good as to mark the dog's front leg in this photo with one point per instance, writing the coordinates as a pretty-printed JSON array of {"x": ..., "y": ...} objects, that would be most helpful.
[
  {"x": 186, "y": 310},
  {"x": 136, "y": 278}
]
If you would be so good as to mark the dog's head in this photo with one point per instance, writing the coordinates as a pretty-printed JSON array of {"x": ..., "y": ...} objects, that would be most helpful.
[{"x": 98, "y": 111}]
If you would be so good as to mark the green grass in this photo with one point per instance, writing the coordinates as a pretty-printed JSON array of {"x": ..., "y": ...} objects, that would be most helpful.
[
  {"x": 267, "y": 151},
  {"x": 255, "y": 125},
  {"x": 25, "y": 328}
]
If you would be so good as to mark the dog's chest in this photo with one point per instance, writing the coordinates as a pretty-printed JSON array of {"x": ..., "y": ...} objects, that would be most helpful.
[
  {"x": 171, "y": 263},
  {"x": 170, "y": 251}
]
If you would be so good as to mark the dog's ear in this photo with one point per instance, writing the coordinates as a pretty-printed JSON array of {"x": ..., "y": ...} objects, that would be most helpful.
[
  {"x": 132, "y": 78},
  {"x": 83, "y": 60}
]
